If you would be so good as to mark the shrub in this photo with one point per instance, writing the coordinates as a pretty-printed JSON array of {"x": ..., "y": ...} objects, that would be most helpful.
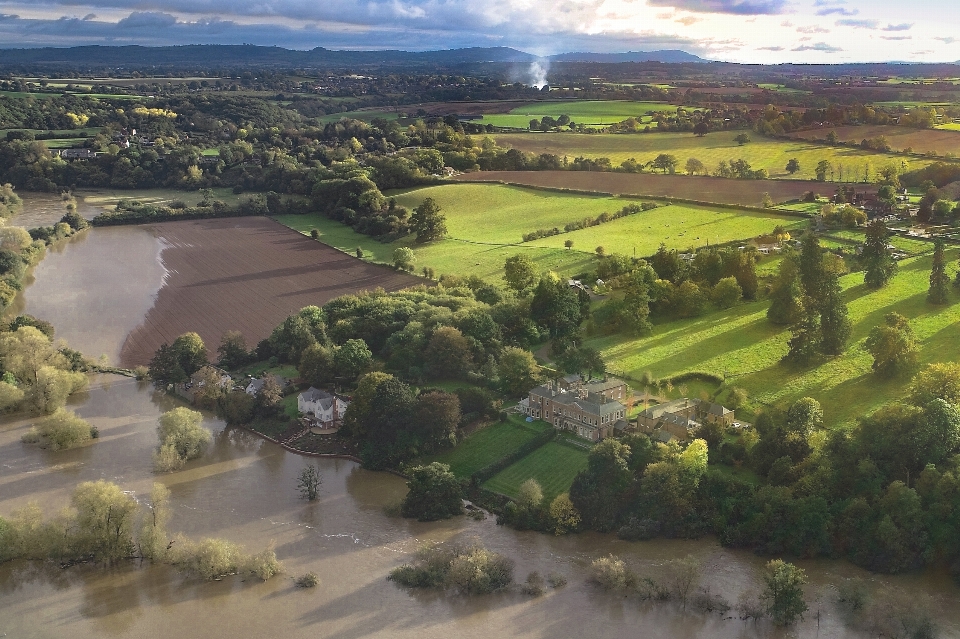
[
  {"x": 535, "y": 585},
  {"x": 308, "y": 580},
  {"x": 63, "y": 429},
  {"x": 182, "y": 438},
  {"x": 611, "y": 573},
  {"x": 468, "y": 569}
]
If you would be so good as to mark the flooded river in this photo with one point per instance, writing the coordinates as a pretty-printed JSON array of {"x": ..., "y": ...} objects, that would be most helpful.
[{"x": 244, "y": 490}]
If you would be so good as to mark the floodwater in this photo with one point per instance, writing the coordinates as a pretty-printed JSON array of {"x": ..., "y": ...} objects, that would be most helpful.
[
  {"x": 46, "y": 209},
  {"x": 244, "y": 490}
]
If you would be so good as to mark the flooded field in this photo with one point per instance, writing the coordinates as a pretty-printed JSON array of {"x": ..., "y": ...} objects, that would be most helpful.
[{"x": 244, "y": 490}]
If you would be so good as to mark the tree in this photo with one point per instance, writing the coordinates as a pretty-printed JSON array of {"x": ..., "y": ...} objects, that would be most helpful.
[
  {"x": 10, "y": 202},
  {"x": 598, "y": 490},
  {"x": 64, "y": 429},
  {"x": 316, "y": 365},
  {"x": 182, "y": 438},
  {"x": 427, "y": 221},
  {"x": 447, "y": 355},
  {"x": 519, "y": 371},
  {"x": 879, "y": 265},
  {"x": 563, "y": 514},
  {"x": 804, "y": 342},
  {"x": 783, "y": 594},
  {"x": 354, "y": 420},
  {"x": 164, "y": 368},
  {"x": 519, "y": 272},
  {"x": 695, "y": 167},
  {"x": 793, "y": 165},
  {"x": 104, "y": 521},
  {"x": 939, "y": 282},
  {"x": 936, "y": 381},
  {"x": 726, "y": 293},
  {"x": 568, "y": 244},
  {"x": 435, "y": 493},
  {"x": 297, "y": 332},
  {"x": 309, "y": 482},
  {"x": 690, "y": 300},
  {"x": 701, "y": 128},
  {"x": 352, "y": 359},
  {"x": 190, "y": 353},
  {"x": 436, "y": 416},
  {"x": 581, "y": 360},
  {"x": 403, "y": 258},
  {"x": 665, "y": 162},
  {"x": 786, "y": 293},
  {"x": 893, "y": 346},
  {"x": 556, "y": 307},
  {"x": 232, "y": 351},
  {"x": 835, "y": 324},
  {"x": 823, "y": 167},
  {"x": 742, "y": 139}
]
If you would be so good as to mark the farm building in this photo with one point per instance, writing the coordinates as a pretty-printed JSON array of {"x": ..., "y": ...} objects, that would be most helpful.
[
  {"x": 591, "y": 409},
  {"x": 680, "y": 418}
]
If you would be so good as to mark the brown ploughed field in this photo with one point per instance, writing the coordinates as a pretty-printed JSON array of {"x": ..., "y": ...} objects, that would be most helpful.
[
  {"x": 703, "y": 189},
  {"x": 244, "y": 274},
  {"x": 900, "y": 137}
]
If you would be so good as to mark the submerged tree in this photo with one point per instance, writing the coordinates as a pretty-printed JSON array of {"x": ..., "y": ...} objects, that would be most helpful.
[
  {"x": 309, "y": 482},
  {"x": 783, "y": 594}
]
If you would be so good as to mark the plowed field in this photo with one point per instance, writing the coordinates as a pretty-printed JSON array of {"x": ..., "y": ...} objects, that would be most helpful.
[
  {"x": 900, "y": 137},
  {"x": 244, "y": 274},
  {"x": 703, "y": 189}
]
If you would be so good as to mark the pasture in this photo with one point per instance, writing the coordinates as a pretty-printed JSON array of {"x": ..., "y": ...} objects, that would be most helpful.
[
  {"x": 554, "y": 465},
  {"x": 935, "y": 141},
  {"x": 486, "y": 223},
  {"x": 698, "y": 188},
  {"x": 742, "y": 346},
  {"x": 717, "y": 146},
  {"x": 488, "y": 445},
  {"x": 587, "y": 112}
]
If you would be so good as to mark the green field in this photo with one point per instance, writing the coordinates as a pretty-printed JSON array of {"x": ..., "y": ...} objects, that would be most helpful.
[
  {"x": 952, "y": 126},
  {"x": 364, "y": 115},
  {"x": 486, "y": 223},
  {"x": 761, "y": 153},
  {"x": 743, "y": 346},
  {"x": 489, "y": 444},
  {"x": 554, "y": 465},
  {"x": 588, "y": 112},
  {"x": 779, "y": 88}
]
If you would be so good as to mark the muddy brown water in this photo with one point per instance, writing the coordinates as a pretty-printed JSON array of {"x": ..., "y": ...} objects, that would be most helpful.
[{"x": 244, "y": 490}]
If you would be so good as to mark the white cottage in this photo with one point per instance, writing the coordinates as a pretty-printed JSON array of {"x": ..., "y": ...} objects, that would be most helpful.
[{"x": 322, "y": 405}]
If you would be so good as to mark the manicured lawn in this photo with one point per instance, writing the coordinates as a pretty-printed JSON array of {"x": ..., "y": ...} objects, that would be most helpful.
[
  {"x": 761, "y": 153},
  {"x": 742, "y": 345},
  {"x": 554, "y": 465},
  {"x": 488, "y": 445}
]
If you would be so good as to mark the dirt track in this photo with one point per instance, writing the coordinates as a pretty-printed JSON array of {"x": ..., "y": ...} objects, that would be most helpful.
[
  {"x": 704, "y": 189},
  {"x": 244, "y": 274}
]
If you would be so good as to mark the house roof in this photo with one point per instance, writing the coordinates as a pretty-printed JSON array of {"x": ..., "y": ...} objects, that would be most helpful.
[
  {"x": 589, "y": 404},
  {"x": 715, "y": 409},
  {"x": 600, "y": 385},
  {"x": 314, "y": 395}
]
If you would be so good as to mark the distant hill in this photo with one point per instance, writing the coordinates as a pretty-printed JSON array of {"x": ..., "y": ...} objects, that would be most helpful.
[
  {"x": 667, "y": 56},
  {"x": 217, "y": 55}
]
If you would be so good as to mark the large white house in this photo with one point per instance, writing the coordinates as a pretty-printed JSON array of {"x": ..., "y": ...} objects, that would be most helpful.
[{"x": 323, "y": 406}]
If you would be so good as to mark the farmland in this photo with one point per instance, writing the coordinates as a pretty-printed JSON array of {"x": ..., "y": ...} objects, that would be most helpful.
[
  {"x": 587, "y": 112},
  {"x": 554, "y": 465},
  {"x": 243, "y": 274},
  {"x": 934, "y": 141},
  {"x": 486, "y": 223},
  {"x": 704, "y": 189},
  {"x": 761, "y": 153},
  {"x": 741, "y": 345}
]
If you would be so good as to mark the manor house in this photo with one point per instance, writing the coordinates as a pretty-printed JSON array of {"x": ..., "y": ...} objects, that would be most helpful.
[{"x": 591, "y": 409}]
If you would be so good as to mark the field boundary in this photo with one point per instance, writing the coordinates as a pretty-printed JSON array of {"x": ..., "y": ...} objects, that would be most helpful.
[{"x": 490, "y": 470}]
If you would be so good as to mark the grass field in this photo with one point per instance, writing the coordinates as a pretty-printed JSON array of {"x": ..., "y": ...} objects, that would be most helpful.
[
  {"x": 365, "y": 115},
  {"x": 589, "y": 112},
  {"x": 107, "y": 198},
  {"x": 554, "y": 465},
  {"x": 486, "y": 223},
  {"x": 489, "y": 444},
  {"x": 742, "y": 345},
  {"x": 761, "y": 153},
  {"x": 940, "y": 141}
]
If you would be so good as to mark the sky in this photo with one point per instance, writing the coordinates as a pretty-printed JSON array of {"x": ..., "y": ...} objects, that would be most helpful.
[{"x": 750, "y": 31}]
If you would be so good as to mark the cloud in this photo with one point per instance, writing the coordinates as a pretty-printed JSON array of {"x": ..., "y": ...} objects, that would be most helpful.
[
  {"x": 858, "y": 24},
  {"x": 89, "y": 16},
  {"x": 687, "y": 21},
  {"x": 906, "y": 26},
  {"x": 786, "y": 23},
  {"x": 820, "y": 46},
  {"x": 896, "y": 37},
  {"x": 147, "y": 20},
  {"x": 812, "y": 29},
  {"x": 770, "y": 49},
  {"x": 947, "y": 39},
  {"x": 736, "y": 7}
]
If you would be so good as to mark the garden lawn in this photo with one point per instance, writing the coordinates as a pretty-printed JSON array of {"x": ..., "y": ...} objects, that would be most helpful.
[
  {"x": 760, "y": 152},
  {"x": 743, "y": 346},
  {"x": 554, "y": 465},
  {"x": 587, "y": 112},
  {"x": 488, "y": 445}
]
